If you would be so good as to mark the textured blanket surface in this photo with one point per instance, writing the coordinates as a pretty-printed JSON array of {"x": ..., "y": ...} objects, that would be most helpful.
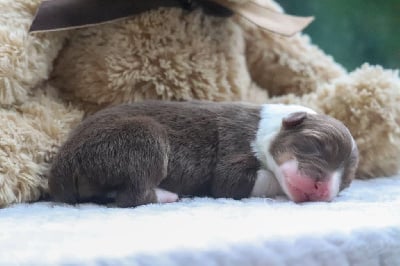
[{"x": 361, "y": 227}]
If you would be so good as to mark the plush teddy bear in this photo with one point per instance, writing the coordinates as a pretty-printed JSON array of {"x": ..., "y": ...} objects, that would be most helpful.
[{"x": 49, "y": 81}]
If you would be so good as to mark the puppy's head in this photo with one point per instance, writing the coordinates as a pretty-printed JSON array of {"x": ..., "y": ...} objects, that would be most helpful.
[{"x": 315, "y": 157}]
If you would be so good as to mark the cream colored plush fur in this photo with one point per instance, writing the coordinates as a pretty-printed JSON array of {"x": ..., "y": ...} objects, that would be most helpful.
[{"x": 48, "y": 81}]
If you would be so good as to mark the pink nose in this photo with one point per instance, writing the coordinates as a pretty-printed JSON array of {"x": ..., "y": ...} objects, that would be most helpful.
[
  {"x": 319, "y": 191},
  {"x": 304, "y": 188},
  {"x": 320, "y": 186}
]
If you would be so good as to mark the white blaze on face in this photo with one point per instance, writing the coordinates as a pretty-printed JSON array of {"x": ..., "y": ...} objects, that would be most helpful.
[{"x": 335, "y": 183}]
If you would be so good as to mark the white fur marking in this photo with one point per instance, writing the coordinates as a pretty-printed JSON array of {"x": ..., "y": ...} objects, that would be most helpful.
[
  {"x": 335, "y": 183},
  {"x": 266, "y": 185},
  {"x": 270, "y": 124}
]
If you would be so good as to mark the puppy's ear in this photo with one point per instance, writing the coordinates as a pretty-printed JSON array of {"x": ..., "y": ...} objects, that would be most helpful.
[{"x": 293, "y": 120}]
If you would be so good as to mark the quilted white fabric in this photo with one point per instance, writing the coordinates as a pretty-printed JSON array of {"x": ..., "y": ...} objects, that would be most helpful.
[{"x": 361, "y": 227}]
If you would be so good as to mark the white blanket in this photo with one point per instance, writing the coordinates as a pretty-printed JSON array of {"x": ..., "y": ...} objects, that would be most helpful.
[{"x": 361, "y": 227}]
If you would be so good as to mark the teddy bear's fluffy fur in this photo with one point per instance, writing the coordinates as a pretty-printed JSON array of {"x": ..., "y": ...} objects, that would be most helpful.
[{"x": 48, "y": 81}]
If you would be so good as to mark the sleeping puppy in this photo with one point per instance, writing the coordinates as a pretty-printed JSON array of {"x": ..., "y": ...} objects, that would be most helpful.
[{"x": 156, "y": 151}]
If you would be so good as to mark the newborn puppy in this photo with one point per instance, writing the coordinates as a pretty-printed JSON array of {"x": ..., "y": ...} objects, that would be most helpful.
[{"x": 153, "y": 151}]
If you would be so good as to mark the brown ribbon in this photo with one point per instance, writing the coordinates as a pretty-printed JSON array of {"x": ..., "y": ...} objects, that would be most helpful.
[{"x": 54, "y": 15}]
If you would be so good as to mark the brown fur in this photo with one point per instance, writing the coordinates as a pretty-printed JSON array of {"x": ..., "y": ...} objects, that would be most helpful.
[{"x": 120, "y": 149}]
